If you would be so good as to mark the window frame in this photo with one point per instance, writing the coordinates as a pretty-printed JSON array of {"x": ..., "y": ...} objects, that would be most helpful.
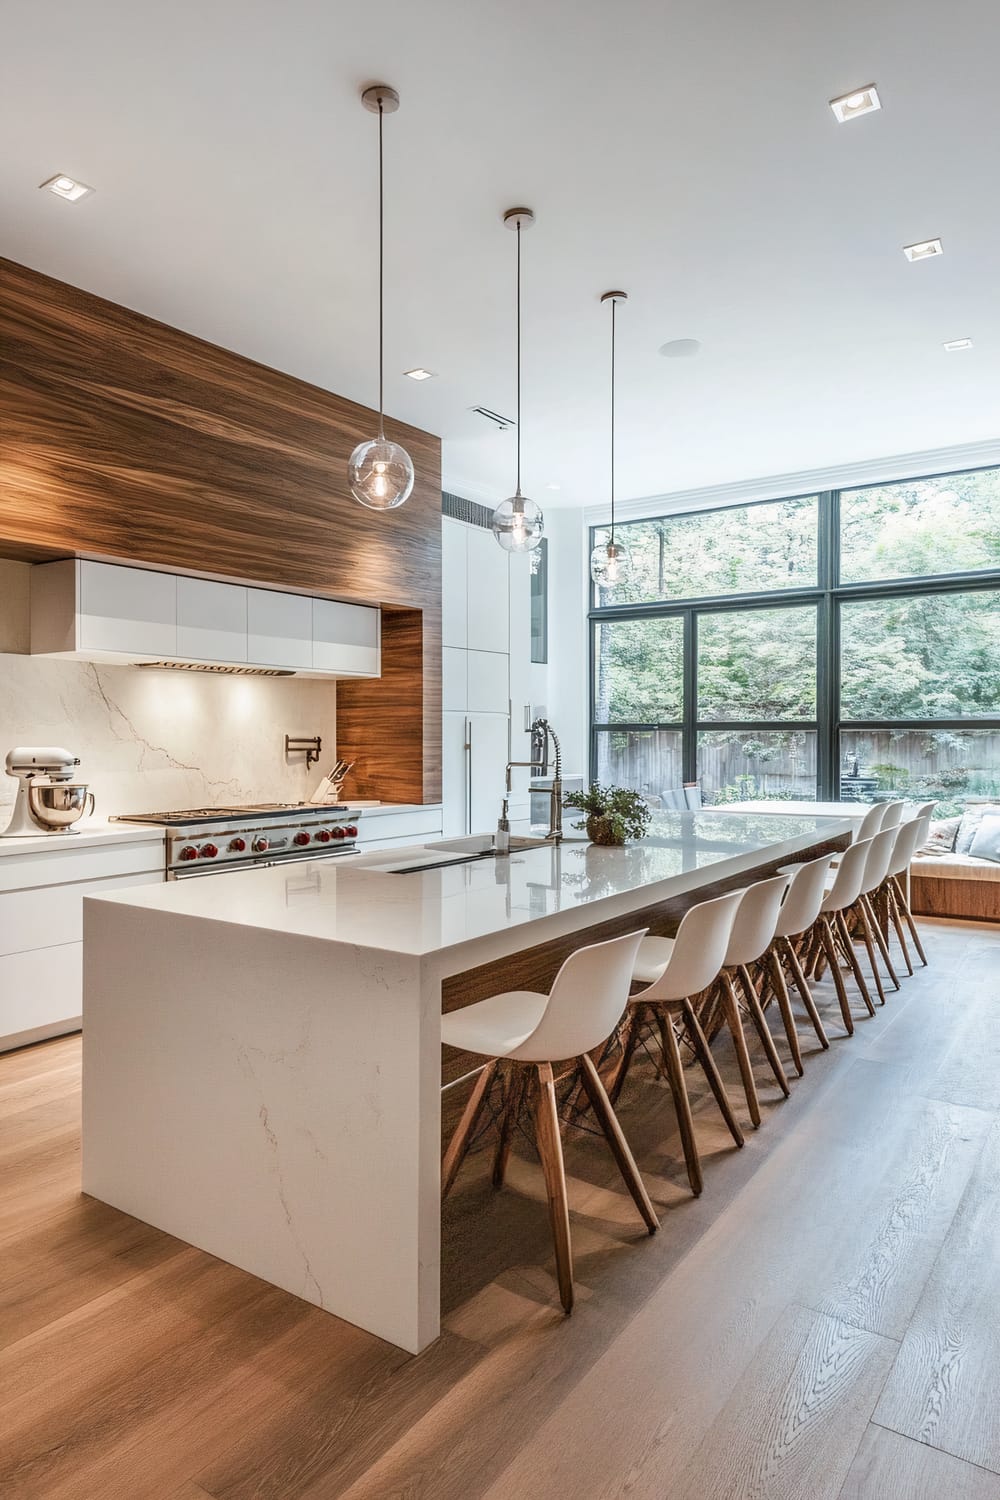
[{"x": 827, "y": 595}]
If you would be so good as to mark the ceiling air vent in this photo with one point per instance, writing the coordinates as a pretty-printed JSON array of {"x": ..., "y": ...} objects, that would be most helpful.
[{"x": 494, "y": 416}]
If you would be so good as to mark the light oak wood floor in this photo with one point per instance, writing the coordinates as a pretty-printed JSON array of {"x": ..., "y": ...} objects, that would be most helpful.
[{"x": 824, "y": 1322}]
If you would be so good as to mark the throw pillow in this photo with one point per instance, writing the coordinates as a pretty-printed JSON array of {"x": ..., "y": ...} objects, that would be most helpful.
[
  {"x": 971, "y": 819},
  {"x": 986, "y": 844},
  {"x": 941, "y": 836}
]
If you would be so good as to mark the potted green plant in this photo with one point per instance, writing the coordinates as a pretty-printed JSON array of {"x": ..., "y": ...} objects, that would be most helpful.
[{"x": 613, "y": 814}]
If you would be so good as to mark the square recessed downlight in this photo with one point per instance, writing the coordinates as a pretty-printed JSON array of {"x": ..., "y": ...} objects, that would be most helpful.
[
  {"x": 859, "y": 102},
  {"x": 67, "y": 187},
  {"x": 419, "y": 374},
  {"x": 954, "y": 345},
  {"x": 924, "y": 250}
]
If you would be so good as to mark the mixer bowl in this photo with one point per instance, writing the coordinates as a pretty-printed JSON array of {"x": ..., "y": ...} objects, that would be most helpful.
[{"x": 60, "y": 804}]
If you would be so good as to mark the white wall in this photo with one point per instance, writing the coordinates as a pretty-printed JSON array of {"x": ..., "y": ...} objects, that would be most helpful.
[
  {"x": 562, "y": 684},
  {"x": 151, "y": 740}
]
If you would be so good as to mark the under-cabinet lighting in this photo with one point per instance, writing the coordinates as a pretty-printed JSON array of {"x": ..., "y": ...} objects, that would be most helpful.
[
  {"x": 923, "y": 250},
  {"x": 67, "y": 187},
  {"x": 860, "y": 102}
]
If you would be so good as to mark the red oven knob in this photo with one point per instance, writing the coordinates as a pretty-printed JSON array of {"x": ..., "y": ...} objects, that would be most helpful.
[
  {"x": 323, "y": 836},
  {"x": 208, "y": 851},
  {"x": 337, "y": 831},
  {"x": 301, "y": 839},
  {"x": 237, "y": 846},
  {"x": 260, "y": 846},
  {"x": 188, "y": 852},
  {"x": 350, "y": 832}
]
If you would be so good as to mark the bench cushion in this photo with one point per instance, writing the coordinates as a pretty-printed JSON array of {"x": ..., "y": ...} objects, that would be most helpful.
[{"x": 955, "y": 867}]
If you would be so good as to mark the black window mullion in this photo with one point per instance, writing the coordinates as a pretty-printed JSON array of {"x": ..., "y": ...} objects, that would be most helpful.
[{"x": 689, "y": 734}]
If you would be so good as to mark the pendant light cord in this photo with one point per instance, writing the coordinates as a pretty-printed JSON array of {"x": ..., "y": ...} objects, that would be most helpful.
[
  {"x": 614, "y": 305},
  {"x": 381, "y": 257},
  {"x": 517, "y": 419}
]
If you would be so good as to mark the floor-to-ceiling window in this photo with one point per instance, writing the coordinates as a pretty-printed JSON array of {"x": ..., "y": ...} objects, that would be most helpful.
[{"x": 839, "y": 644}]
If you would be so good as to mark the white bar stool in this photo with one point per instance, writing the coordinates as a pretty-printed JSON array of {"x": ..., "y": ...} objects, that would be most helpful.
[
  {"x": 579, "y": 1013},
  {"x": 911, "y": 835},
  {"x": 832, "y": 935},
  {"x": 893, "y": 815},
  {"x": 677, "y": 969},
  {"x": 796, "y": 916},
  {"x": 876, "y": 869}
]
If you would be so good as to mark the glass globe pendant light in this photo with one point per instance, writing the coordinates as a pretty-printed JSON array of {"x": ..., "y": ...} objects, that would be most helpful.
[
  {"x": 518, "y": 522},
  {"x": 380, "y": 471},
  {"x": 611, "y": 561}
]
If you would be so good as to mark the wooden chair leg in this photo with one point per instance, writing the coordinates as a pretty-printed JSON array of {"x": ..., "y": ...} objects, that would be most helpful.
[
  {"x": 892, "y": 907},
  {"x": 802, "y": 985},
  {"x": 550, "y": 1152},
  {"x": 880, "y": 938},
  {"x": 864, "y": 927},
  {"x": 608, "y": 1121},
  {"x": 830, "y": 949},
  {"x": 904, "y": 907},
  {"x": 633, "y": 1024},
  {"x": 703, "y": 1053},
  {"x": 682, "y": 1104},
  {"x": 731, "y": 1009},
  {"x": 763, "y": 1030},
  {"x": 459, "y": 1143},
  {"x": 514, "y": 1085},
  {"x": 847, "y": 948},
  {"x": 784, "y": 1000}
]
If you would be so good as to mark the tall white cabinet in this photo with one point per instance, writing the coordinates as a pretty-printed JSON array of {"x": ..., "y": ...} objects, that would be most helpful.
[{"x": 476, "y": 626}]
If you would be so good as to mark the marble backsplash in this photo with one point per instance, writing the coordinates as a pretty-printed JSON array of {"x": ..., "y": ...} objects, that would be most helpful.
[{"x": 151, "y": 740}]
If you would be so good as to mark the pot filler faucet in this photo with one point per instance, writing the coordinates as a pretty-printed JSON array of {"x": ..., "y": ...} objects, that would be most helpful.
[{"x": 541, "y": 731}]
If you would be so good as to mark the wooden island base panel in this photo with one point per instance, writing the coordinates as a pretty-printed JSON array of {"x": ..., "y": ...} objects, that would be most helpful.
[{"x": 231, "y": 1021}]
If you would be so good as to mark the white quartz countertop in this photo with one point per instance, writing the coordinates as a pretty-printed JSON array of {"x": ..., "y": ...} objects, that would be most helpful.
[
  {"x": 853, "y": 810},
  {"x": 363, "y": 902},
  {"x": 91, "y": 831}
]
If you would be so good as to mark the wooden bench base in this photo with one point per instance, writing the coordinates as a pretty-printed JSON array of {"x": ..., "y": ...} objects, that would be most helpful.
[{"x": 971, "y": 900}]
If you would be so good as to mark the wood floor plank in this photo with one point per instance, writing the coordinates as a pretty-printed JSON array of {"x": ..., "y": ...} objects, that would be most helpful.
[
  {"x": 889, "y": 1466},
  {"x": 792, "y": 1426},
  {"x": 944, "y": 1388}
]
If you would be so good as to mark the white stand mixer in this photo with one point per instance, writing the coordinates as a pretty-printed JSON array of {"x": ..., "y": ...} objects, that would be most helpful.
[{"x": 48, "y": 799}]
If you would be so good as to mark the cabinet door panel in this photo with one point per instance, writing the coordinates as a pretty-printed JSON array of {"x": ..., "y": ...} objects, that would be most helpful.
[
  {"x": 454, "y": 776},
  {"x": 489, "y": 601},
  {"x": 489, "y": 737},
  {"x": 127, "y": 609},
  {"x": 279, "y": 629},
  {"x": 489, "y": 687},
  {"x": 345, "y": 638},
  {"x": 454, "y": 679},
  {"x": 454, "y": 583},
  {"x": 211, "y": 620}
]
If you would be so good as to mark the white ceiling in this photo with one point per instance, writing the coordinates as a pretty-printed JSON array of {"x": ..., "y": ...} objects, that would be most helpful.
[{"x": 681, "y": 149}]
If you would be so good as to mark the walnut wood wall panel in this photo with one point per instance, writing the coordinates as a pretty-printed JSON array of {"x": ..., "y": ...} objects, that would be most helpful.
[{"x": 127, "y": 440}]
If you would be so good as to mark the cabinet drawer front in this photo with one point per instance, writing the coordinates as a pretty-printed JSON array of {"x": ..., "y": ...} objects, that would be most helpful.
[
  {"x": 211, "y": 620},
  {"x": 38, "y": 990},
  {"x": 51, "y": 915},
  {"x": 345, "y": 638},
  {"x": 95, "y": 862},
  {"x": 411, "y": 825},
  {"x": 279, "y": 629},
  {"x": 127, "y": 609}
]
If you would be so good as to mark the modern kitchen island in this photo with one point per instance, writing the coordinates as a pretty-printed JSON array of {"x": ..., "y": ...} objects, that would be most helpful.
[{"x": 262, "y": 1052}]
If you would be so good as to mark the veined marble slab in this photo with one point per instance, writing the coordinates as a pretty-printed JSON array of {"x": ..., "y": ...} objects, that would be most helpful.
[{"x": 262, "y": 1051}]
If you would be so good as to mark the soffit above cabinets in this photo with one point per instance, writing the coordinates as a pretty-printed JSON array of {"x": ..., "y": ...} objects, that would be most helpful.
[{"x": 105, "y": 612}]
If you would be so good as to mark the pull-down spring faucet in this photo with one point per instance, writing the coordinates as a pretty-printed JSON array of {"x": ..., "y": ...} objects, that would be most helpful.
[{"x": 541, "y": 730}]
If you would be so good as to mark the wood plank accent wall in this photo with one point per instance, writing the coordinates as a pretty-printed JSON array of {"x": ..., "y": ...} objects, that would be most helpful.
[{"x": 125, "y": 440}]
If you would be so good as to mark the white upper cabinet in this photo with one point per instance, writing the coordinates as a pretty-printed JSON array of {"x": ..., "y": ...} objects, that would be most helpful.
[
  {"x": 454, "y": 583},
  {"x": 345, "y": 638},
  {"x": 279, "y": 629},
  {"x": 127, "y": 609},
  {"x": 454, "y": 679},
  {"x": 488, "y": 592},
  {"x": 105, "y": 612},
  {"x": 211, "y": 620}
]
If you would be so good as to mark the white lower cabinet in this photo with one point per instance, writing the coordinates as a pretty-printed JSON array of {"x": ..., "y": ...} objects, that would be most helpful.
[{"x": 41, "y": 931}]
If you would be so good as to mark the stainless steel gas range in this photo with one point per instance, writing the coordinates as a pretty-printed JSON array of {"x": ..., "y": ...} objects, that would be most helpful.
[{"x": 212, "y": 840}]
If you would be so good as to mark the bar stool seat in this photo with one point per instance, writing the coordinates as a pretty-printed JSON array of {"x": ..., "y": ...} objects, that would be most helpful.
[
  {"x": 497, "y": 1026},
  {"x": 654, "y": 955}
]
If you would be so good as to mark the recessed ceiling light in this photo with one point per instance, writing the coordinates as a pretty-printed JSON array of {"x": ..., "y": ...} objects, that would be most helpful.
[
  {"x": 861, "y": 102},
  {"x": 419, "y": 374},
  {"x": 925, "y": 250},
  {"x": 67, "y": 187},
  {"x": 953, "y": 345},
  {"x": 553, "y": 486},
  {"x": 680, "y": 349}
]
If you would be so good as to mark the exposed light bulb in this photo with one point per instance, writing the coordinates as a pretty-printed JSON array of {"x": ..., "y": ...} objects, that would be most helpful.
[
  {"x": 518, "y": 524},
  {"x": 381, "y": 474},
  {"x": 610, "y": 564}
]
